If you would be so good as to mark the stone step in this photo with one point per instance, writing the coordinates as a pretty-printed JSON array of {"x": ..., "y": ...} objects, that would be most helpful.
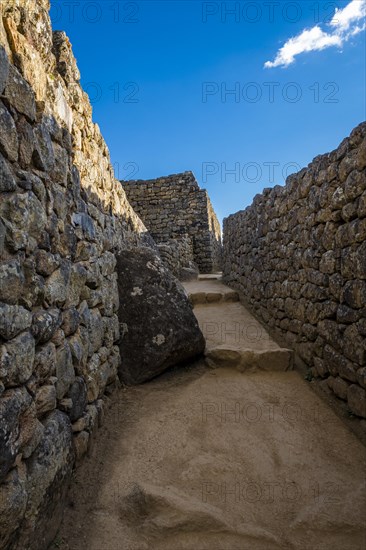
[
  {"x": 249, "y": 360},
  {"x": 213, "y": 297},
  {"x": 210, "y": 277},
  {"x": 235, "y": 339}
]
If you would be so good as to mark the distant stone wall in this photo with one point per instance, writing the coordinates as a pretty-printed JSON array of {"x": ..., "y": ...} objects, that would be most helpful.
[
  {"x": 215, "y": 237},
  {"x": 176, "y": 254},
  {"x": 298, "y": 256},
  {"x": 174, "y": 206},
  {"x": 63, "y": 219}
]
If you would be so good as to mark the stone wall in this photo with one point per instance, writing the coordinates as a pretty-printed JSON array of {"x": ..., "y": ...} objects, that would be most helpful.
[
  {"x": 176, "y": 254},
  {"x": 298, "y": 256},
  {"x": 63, "y": 219},
  {"x": 174, "y": 206},
  {"x": 214, "y": 230}
]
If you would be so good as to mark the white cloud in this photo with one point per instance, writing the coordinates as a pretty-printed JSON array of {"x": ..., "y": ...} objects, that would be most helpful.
[
  {"x": 354, "y": 11},
  {"x": 307, "y": 41},
  {"x": 345, "y": 23}
]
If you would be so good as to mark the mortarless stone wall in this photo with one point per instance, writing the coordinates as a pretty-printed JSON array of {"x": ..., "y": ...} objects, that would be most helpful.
[
  {"x": 298, "y": 256},
  {"x": 177, "y": 254},
  {"x": 174, "y": 206},
  {"x": 63, "y": 219}
]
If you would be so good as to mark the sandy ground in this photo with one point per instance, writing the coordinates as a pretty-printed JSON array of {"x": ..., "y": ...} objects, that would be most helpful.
[
  {"x": 220, "y": 459},
  {"x": 214, "y": 459}
]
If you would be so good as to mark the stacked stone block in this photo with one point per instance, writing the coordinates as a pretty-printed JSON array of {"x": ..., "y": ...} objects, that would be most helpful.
[
  {"x": 176, "y": 254},
  {"x": 174, "y": 206},
  {"x": 63, "y": 219},
  {"x": 298, "y": 256}
]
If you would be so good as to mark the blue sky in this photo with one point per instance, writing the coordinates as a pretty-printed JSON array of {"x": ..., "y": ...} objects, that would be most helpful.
[{"x": 159, "y": 74}]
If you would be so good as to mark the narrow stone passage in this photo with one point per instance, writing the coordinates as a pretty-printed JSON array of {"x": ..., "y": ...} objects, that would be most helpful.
[
  {"x": 242, "y": 456},
  {"x": 233, "y": 336}
]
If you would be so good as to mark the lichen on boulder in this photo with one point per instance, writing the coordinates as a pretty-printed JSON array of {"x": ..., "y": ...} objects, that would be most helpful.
[{"x": 159, "y": 328}]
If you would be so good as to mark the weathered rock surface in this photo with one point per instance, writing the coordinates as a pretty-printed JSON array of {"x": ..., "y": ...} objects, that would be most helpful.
[
  {"x": 63, "y": 217},
  {"x": 7, "y": 180},
  {"x": 45, "y": 361},
  {"x": 13, "y": 320},
  {"x": 189, "y": 273},
  {"x": 13, "y": 404},
  {"x": 64, "y": 370},
  {"x": 4, "y": 68},
  {"x": 298, "y": 256},
  {"x": 77, "y": 394},
  {"x": 49, "y": 471},
  {"x": 20, "y": 94},
  {"x": 13, "y": 504},
  {"x": 45, "y": 399},
  {"x": 158, "y": 326},
  {"x": 8, "y": 134},
  {"x": 44, "y": 324},
  {"x": 16, "y": 359}
]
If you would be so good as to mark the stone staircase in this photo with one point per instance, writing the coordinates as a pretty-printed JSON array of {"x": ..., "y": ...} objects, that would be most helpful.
[
  {"x": 234, "y": 338},
  {"x": 209, "y": 289}
]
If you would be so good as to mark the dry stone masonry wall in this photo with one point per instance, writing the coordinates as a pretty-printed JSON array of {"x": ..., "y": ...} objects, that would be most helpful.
[
  {"x": 67, "y": 233},
  {"x": 298, "y": 256},
  {"x": 63, "y": 218},
  {"x": 177, "y": 254},
  {"x": 175, "y": 207}
]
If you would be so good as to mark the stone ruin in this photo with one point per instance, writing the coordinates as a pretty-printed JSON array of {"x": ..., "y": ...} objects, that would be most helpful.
[
  {"x": 85, "y": 271},
  {"x": 180, "y": 217},
  {"x": 298, "y": 257},
  {"x": 81, "y": 279}
]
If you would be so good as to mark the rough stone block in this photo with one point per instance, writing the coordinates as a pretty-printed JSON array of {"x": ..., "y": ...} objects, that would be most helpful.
[
  {"x": 13, "y": 503},
  {"x": 78, "y": 395},
  {"x": 8, "y": 134},
  {"x": 49, "y": 472},
  {"x": 354, "y": 293},
  {"x": 356, "y": 398},
  {"x": 13, "y": 320},
  {"x": 160, "y": 329},
  {"x": 20, "y": 94},
  {"x": 339, "y": 386},
  {"x": 4, "y": 68},
  {"x": 13, "y": 403},
  {"x": 45, "y": 399},
  {"x": 7, "y": 180},
  {"x": 16, "y": 359},
  {"x": 64, "y": 370}
]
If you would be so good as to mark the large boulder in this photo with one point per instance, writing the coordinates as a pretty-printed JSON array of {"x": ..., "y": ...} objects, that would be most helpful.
[{"x": 158, "y": 327}]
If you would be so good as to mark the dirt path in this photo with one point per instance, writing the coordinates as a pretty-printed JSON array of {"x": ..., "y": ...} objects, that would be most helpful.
[{"x": 220, "y": 459}]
